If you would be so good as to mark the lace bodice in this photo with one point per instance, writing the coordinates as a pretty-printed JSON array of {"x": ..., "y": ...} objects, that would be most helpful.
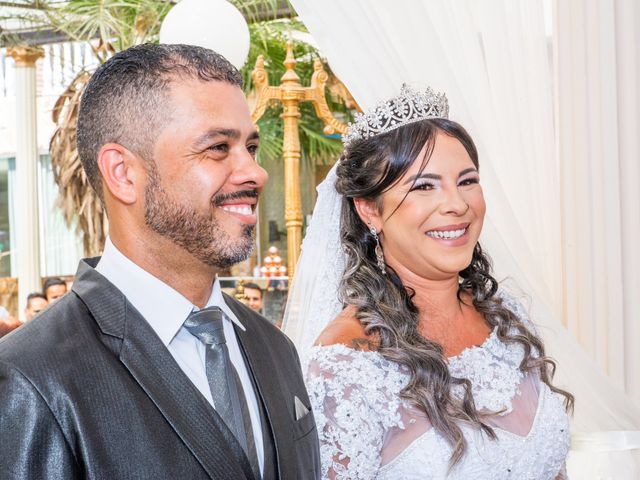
[
  {"x": 493, "y": 370},
  {"x": 367, "y": 431}
]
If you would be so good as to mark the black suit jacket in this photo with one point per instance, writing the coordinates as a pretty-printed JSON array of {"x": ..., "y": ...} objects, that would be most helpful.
[{"x": 88, "y": 390}]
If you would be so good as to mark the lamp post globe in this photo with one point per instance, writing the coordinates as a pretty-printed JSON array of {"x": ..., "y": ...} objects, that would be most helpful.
[{"x": 213, "y": 24}]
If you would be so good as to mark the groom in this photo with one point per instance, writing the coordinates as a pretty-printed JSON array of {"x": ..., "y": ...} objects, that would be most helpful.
[{"x": 146, "y": 369}]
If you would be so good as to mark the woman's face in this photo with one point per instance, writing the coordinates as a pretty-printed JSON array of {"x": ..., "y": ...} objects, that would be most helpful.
[{"x": 433, "y": 232}]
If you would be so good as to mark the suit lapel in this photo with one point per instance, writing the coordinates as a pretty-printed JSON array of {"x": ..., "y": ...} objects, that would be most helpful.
[
  {"x": 157, "y": 373},
  {"x": 261, "y": 364}
]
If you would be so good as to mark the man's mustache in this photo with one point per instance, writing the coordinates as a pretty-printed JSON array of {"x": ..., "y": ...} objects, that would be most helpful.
[{"x": 225, "y": 197}]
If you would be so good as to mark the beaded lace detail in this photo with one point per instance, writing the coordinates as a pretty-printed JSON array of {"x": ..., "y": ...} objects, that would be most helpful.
[
  {"x": 356, "y": 391},
  {"x": 366, "y": 430},
  {"x": 493, "y": 369}
]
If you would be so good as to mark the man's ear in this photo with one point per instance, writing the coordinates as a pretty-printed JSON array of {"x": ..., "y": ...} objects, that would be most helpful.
[
  {"x": 368, "y": 213},
  {"x": 120, "y": 172}
]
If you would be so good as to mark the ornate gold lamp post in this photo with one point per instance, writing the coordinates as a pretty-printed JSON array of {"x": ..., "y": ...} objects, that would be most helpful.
[{"x": 291, "y": 93}]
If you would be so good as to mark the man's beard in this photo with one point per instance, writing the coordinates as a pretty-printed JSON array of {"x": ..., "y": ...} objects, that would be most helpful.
[{"x": 200, "y": 235}]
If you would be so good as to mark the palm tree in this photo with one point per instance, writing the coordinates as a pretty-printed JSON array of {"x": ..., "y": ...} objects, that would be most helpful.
[{"x": 113, "y": 25}]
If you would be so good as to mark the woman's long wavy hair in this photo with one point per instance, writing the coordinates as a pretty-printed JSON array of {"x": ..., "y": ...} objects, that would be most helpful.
[{"x": 384, "y": 306}]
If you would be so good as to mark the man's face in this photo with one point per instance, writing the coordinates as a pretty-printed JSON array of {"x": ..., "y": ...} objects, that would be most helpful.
[
  {"x": 34, "y": 306},
  {"x": 203, "y": 186},
  {"x": 54, "y": 292},
  {"x": 253, "y": 298}
]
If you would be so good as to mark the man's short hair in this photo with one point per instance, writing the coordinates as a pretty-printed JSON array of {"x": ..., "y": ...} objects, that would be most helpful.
[
  {"x": 52, "y": 281},
  {"x": 34, "y": 295},
  {"x": 125, "y": 101},
  {"x": 253, "y": 286}
]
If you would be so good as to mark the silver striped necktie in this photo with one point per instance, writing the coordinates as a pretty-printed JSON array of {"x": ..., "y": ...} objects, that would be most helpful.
[{"x": 228, "y": 396}]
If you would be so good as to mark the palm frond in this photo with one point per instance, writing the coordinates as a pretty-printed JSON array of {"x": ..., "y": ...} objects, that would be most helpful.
[
  {"x": 271, "y": 134},
  {"x": 256, "y": 11},
  {"x": 77, "y": 200},
  {"x": 120, "y": 23},
  {"x": 319, "y": 147}
]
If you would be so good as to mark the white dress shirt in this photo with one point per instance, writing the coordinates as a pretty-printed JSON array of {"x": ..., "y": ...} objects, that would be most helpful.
[{"x": 166, "y": 310}]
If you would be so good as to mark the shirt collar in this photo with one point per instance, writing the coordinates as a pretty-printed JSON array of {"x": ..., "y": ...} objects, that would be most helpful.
[
  {"x": 217, "y": 300},
  {"x": 162, "y": 307}
]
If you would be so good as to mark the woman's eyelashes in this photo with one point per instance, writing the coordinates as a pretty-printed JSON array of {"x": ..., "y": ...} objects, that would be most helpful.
[
  {"x": 422, "y": 185},
  {"x": 426, "y": 186},
  {"x": 469, "y": 181}
]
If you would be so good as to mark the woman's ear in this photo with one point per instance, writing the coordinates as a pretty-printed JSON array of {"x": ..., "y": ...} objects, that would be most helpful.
[
  {"x": 119, "y": 176},
  {"x": 368, "y": 213}
]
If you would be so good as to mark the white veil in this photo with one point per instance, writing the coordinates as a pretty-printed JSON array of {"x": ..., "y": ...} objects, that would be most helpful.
[{"x": 312, "y": 301}]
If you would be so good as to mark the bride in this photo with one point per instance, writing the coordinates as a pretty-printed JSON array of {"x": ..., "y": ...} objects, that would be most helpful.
[{"x": 430, "y": 370}]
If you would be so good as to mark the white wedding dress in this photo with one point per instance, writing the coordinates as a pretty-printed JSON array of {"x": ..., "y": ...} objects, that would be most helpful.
[{"x": 367, "y": 431}]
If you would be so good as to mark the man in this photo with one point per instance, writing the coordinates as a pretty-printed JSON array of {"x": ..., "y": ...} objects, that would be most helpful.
[
  {"x": 253, "y": 295},
  {"x": 145, "y": 369},
  {"x": 54, "y": 288},
  {"x": 36, "y": 302}
]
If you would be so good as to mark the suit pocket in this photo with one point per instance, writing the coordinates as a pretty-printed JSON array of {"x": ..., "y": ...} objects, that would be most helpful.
[
  {"x": 303, "y": 426},
  {"x": 307, "y": 448}
]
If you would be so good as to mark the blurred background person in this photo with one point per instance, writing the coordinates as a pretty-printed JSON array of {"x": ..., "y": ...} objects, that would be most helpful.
[
  {"x": 253, "y": 294},
  {"x": 54, "y": 288},
  {"x": 36, "y": 302},
  {"x": 7, "y": 322}
]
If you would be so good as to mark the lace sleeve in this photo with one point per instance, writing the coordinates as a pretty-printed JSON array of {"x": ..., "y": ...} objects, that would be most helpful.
[{"x": 355, "y": 402}]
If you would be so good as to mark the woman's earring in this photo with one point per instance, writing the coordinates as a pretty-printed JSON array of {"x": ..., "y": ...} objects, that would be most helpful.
[{"x": 378, "y": 250}]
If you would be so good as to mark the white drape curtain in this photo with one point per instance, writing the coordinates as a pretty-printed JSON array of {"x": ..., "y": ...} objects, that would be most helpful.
[
  {"x": 499, "y": 87},
  {"x": 548, "y": 211},
  {"x": 597, "y": 59}
]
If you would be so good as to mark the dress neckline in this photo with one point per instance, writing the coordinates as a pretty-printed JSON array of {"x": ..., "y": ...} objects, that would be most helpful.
[
  {"x": 340, "y": 346},
  {"x": 431, "y": 432}
]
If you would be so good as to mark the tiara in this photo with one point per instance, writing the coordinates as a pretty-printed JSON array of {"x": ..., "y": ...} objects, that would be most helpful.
[{"x": 408, "y": 107}]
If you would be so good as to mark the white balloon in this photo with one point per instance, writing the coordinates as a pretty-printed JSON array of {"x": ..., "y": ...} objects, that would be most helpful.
[{"x": 214, "y": 24}]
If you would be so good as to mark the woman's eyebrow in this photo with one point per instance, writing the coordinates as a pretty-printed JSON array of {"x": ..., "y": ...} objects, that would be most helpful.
[{"x": 415, "y": 177}]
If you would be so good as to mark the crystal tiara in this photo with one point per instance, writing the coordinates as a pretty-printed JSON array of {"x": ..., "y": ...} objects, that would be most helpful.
[{"x": 408, "y": 107}]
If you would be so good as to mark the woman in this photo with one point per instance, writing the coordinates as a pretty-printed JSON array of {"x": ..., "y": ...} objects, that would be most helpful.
[{"x": 430, "y": 371}]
